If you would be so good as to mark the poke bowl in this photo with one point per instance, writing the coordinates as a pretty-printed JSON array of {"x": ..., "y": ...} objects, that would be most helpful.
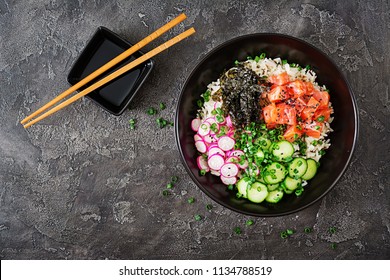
[{"x": 266, "y": 124}]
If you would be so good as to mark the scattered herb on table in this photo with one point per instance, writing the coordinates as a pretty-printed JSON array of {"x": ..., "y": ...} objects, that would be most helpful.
[
  {"x": 249, "y": 222},
  {"x": 191, "y": 200},
  {"x": 332, "y": 230},
  {"x": 162, "y": 106},
  {"x": 308, "y": 229},
  {"x": 132, "y": 123},
  {"x": 169, "y": 186},
  {"x": 151, "y": 111},
  {"x": 333, "y": 246},
  {"x": 237, "y": 230},
  {"x": 165, "y": 193},
  {"x": 198, "y": 217},
  {"x": 209, "y": 207}
]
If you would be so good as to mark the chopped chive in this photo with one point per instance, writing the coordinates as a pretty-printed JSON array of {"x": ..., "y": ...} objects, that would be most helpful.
[
  {"x": 174, "y": 179},
  {"x": 162, "y": 106},
  {"x": 308, "y": 229},
  {"x": 151, "y": 111},
  {"x": 169, "y": 186},
  {"x": 290, "y": 231},
  {"x": 237, "y": 230},
  {"x": 209, "y": 207},
  {"x": 332, "y": 230},
  {"x": 165, "y": 193},
  {"x": 198, "y": 217},
  {"x": 249, "y": 222}
]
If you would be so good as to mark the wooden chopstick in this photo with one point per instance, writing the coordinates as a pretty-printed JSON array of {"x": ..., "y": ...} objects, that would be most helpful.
[
  {"x": 114, "y": 75},
  {"x": 108, "y": 65}
]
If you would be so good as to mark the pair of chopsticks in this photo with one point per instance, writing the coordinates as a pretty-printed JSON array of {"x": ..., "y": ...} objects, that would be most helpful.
[{"x": 32, "y": 119}]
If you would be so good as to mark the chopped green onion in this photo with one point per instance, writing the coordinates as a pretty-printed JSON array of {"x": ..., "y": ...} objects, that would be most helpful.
[
  {"x": 308, "y": 229},
  {"x": 284, "y": 61},
  {"x": 174, "y": 179},
  {"x": 299, "y": 127},
  {"x": 333, "y": 246},
  {"x": 257, "y": 58},
  {"x": 307, "y": 67},
  {"x": 322, "y": 152},
  {"x": 321, "y": 118},
  {"x": 209, "y": 207},
  {"x": 249, "y": 222},
  {"x": 132, "y": 123},
  {"x": 198, "y": 217},
  {"x": 236, "y": 62},
  {"x": 191, "y": 200},
  {"x": 314, "y": 142},
  {"x": 165, "y": 193},
  {"x": 199, "y": 103},
  {"x": 230, "y": 187},
  {"x": 151, "y": 111},
  {"x": 202, "y": 172},
  {"x": 169, "y": 186},
  {"x": 249, "y": 58},
  {"x": 290, "y": 231},
  {"x": 284, "y": 234},
  {"x": 298, "y": 192},
  {"x": 262, "y": 55},
  {"x": 317, "y": 127},
  {"x": 162, "y": 106},
  {"x": 214, "y": 112},
  {"x": 237, "y": 230},
  {"x": 332, "y": 230}
]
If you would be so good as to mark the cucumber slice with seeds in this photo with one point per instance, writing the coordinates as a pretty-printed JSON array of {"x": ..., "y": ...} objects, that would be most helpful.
[
  {"x": 292, "y": 184},
  {"x": 311, "y": 169},
  {"x": 282, "y": 150},
  {"x": 257, "y": 192},
  {"x": 275, "y": 173},
  {"x": 274, "y": 196},
  {"x": 243, "y": 185},
  {"x": 297, "y": 168}
]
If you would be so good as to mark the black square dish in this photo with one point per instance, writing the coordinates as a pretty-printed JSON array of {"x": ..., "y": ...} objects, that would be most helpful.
[{"x": 117, "y": 94}]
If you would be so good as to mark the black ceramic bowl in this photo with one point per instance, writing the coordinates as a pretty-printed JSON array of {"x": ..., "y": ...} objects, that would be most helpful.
[{"x": 345, "y": 123}]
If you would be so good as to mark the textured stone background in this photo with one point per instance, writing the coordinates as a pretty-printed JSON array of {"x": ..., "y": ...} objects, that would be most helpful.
[{"x": 81, "y": 185}]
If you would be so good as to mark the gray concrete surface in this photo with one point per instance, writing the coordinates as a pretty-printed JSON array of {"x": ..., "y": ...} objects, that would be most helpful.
[{"x": 82, "y": 185}]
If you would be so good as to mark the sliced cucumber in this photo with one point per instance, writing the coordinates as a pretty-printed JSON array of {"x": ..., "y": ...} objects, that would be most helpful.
[
  {"x": 264, "y": 143},
  {"x": 292, "y": 184},
  {"x": 272, "y": 187},
  {"x": 275, "y": 173},
  {"x": 311, "y": 169},
  {"x": 274, "y": 196},
  {"x": 297, "y": 168},
  {"x": 257, "y": 192},
  {"x": 282, "y": 150},
  {"x": 243, "y": 186}
]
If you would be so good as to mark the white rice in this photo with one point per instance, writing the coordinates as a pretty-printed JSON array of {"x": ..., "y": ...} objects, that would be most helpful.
[{"x": 269, "y": 67}]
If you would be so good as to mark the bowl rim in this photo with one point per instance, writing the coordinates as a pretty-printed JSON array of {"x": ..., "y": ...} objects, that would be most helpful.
[{"x": 355, "y": 137}]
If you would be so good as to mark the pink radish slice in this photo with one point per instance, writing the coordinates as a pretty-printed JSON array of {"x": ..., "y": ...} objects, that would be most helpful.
[
  {"x": 211, "y": 120},
  {"x": 210, "y": 139},
  {"x": 202, "y": 163},
  {"x": 254, "y": 170},
  {"x": 228, "y": 181},
  {"x": 226, "y": 143},
  {"x": 229, "y": 121},
  {"x": 229, "y": 170},
  {"x": 216, "y": 161},
  {"x": 217, "y": 105},
  {"x": 236, "y": 153},
  {"x": 197, "y": 137},
  {"x": 232, "y": 159},
  {"x": 204, "y": 129},
  {"x": 201, "y": 146},
  {"x": 195, "y": 124},
  {"x": 215, "y": 172},
  {"x": 215, "y": 150}
]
